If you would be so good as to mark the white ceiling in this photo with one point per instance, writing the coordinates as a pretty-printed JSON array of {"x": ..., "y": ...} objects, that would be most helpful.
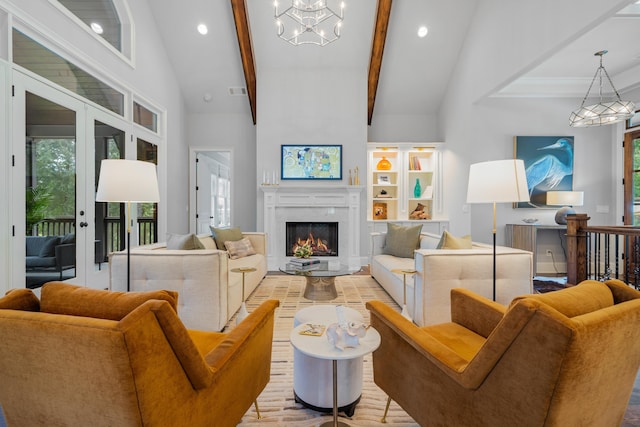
[{"x": 414, "y": 73}]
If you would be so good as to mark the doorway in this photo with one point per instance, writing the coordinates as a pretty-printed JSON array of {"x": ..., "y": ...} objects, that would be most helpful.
[{"x": 211, "y": 189}]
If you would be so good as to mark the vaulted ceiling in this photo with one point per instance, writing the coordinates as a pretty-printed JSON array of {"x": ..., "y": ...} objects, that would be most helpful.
[{"x": 407, "y": 74}]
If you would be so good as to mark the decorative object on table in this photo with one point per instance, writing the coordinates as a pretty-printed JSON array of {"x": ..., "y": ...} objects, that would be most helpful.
[
  {"x": 548, "y": 163},
  {"x": 602, "y": 113},
  {"x": 379, "y": 210},
  {"x": 420, "y": 213},
  {"x": 309, "y": 21},
  {"x": 311, "y": 162},
  {"x": 404, "y": 272},
  {"x": 313, "y": 330},
  {"x": 498, "y": 181},
  {"x": 127, "y": 181},
  {"x": 417, "y": 190},
  {"x": 356, "y": 178},
  {"x": 242, "y": 312},
  {"x": 303, "y": 251},
  {"x": 350, "y": 178},
  {"x": 383, "y": 194},
  {"x": 566, "y": 199},
  {"x": 530, "y": 220},
  {"x": 383, "y": 164},
  {"x": 345, "y": 334}
]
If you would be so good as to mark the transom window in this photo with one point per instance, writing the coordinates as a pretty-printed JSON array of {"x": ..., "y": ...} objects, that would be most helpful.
[{"x": 99, "y": 15}]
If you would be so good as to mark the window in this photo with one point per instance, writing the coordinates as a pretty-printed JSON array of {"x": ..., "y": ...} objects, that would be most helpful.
[
  {"x": 40, "y": 60},
  {"x": 145, "y": 117}
]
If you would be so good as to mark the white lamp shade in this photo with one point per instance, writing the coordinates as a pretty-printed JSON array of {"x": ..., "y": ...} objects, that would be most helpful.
[
  {"x": 565, "y": 198},
  {"x": 498, "y": 181},
  {"x": 127, "y": 181}
]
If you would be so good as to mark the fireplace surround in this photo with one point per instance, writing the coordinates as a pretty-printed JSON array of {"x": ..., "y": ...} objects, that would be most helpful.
[{"x": 319, "y": 204}]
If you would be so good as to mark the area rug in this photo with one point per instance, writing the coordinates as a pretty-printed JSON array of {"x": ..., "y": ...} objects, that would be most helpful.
[{"x": 276, "y": 403}]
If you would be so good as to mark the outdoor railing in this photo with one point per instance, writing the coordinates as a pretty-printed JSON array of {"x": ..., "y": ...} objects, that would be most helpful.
[
  {"x": 602, "y": 252},
  {"x": 147, "y": 231}
]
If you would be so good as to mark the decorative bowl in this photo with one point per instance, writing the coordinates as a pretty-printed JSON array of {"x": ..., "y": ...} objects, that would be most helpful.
[{"x": 530, "y": 220}]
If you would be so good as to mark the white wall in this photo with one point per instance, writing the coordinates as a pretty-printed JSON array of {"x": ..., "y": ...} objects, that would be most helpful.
[
  {"x": 505, "y": 40},
  {"x": 325, "y": 106},
  {"x": 403, "y": 128}
]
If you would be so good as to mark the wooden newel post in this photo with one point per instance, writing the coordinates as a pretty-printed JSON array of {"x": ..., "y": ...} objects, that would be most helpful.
[{"x": 576, "y": 248}]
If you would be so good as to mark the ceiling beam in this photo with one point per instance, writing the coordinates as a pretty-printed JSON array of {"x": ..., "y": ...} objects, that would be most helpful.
[
  {"x": 377, "y": 49},
  {"x": 246, "y": 51}
]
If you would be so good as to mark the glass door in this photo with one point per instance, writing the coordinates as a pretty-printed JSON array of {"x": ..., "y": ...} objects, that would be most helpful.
[
  {"x": 49, "y": 218},
  {"x": 632, "y": 178}
]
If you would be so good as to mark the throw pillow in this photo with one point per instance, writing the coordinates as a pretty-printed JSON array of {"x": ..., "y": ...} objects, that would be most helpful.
[
  {"x": 48, "y": 248},
  {"x": 240, "y": 248},
  {"x": 184, "y": 242},
  {"x": 221, "y": 235},
  {"x": 20, "y": 299},
  {"x": 62, "y": 298},
  {"x": 68, "y": 238},
  {"x": 449, "y": 241},
  {"x": 402, "y": 241}
]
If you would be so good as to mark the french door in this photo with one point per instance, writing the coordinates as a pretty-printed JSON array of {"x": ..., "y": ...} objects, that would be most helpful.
[
  {"x": 58, "y": 143},
  {"x": 632, "y": 178}
]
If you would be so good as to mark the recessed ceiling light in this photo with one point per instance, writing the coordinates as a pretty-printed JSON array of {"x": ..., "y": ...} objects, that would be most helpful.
[
  {"x": 422, "y": 31},
  {"x": 207, "y": 97},
  {"x": 202, "y": 29},
  {"x": 97, "y": 28}
]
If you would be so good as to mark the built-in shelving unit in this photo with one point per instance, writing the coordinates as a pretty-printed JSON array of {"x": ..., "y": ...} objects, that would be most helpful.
[{"x": 404, "y": 184}]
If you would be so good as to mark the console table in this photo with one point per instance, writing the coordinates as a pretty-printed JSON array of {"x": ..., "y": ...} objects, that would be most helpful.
[{"x": 537, "y": 238}]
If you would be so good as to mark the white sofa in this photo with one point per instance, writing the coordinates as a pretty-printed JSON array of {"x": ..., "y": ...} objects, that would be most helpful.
[
  {"x": 209, "y": 293},
  {"x": 440, "y": 270}
]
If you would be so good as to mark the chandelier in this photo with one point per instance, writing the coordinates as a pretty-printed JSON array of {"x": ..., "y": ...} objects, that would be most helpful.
[
  {"x": 309, "y": 22},
  {"x": 602, "y": 113}
]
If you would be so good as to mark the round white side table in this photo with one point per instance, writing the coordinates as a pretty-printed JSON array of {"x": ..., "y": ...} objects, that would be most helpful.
[
  {"x": 312, "y": 384},
  {"x": 320, "y": 348}
]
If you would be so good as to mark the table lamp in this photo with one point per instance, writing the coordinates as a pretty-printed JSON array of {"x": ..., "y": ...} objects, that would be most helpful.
[
  {"x": 127, "y": 181},
  {"x": 498, "y": 181},
  {"x": 566, "y": 199}
]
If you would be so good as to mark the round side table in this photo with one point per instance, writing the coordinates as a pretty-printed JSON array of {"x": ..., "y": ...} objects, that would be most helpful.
[
  {"x": 312, "y": 376},
  {"x": 242, "y": 313},
  {"x": 404, "y": 273},
  {"x": 319, "y": 347}
]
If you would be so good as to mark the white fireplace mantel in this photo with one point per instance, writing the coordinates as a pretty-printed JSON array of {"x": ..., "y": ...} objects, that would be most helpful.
[{"x": 340, "y": 204}]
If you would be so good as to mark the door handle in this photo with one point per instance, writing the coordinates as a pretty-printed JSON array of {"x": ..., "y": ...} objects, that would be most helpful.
[{"x": 84, "y": 224}]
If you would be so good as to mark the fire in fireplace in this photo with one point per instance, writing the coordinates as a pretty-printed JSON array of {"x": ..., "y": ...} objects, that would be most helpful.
[{"x": 321, "y": 236}]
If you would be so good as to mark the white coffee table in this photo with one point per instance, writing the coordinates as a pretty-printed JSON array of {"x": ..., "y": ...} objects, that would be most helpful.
[{"x": 320, "y": 348}]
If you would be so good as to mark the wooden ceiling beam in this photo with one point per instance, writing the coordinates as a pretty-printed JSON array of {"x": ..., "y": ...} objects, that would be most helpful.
[
  {"x": 383, "y": 13},
  {"x": 243, "y": 32}
]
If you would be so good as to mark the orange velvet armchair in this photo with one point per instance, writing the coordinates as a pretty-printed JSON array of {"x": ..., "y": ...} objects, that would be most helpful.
[
  {"x": 564, "y": 358},
  {"x": 80, "y": 357}
]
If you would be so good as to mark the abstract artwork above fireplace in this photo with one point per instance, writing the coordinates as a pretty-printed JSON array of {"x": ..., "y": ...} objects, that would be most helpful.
[{"x": 322, "y": 237}]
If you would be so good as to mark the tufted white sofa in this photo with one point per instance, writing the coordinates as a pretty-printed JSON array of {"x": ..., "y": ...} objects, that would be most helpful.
[
  {"x": 440, "y": 270},
  {"x": 209, "y": 293}
]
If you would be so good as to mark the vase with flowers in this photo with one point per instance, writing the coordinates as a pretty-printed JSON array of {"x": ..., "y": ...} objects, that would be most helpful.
[{"x": 303, "y": 251}]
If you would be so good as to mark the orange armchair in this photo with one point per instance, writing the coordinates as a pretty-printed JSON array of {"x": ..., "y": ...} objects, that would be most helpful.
[
  {"x": 80, "y": 356},
  {"x": 564, "y": 358}
]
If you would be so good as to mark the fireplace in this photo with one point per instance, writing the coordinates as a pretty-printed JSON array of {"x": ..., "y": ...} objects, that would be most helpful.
[{"x": 321, "y": 236}]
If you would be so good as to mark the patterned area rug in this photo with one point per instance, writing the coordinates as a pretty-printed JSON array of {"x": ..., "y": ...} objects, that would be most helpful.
[{"x": 276, "y": 403}]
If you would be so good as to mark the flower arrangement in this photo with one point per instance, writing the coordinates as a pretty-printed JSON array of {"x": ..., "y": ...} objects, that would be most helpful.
[{"x": 303, "y": 251}]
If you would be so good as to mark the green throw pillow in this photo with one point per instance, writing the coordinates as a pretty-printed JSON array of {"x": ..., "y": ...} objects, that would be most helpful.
[
  {"x": 184, "y": 242},
  {"x": 221, "y": 235},
  {"x": 402, "y": 241},
  {"x": 449, "y": 241}
]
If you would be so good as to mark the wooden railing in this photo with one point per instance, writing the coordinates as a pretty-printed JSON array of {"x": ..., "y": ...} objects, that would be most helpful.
[{"x": 602, "y": 252}]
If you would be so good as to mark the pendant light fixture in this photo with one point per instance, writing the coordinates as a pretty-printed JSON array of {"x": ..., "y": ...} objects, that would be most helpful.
[{"x": 602, "y": 113}]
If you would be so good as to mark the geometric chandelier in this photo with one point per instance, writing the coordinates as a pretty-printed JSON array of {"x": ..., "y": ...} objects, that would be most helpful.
[
  {"x": 309, "y": 22},
  {"x": 602, "y": 113}
]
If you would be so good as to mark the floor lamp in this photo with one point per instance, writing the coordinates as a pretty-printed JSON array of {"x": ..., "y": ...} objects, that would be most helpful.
[
  {"x": 498, "y": 181},
  {"x": 127, "y": 181}
]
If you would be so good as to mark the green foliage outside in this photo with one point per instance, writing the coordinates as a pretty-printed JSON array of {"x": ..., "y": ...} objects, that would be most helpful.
[{"x": 636, "y": 181}]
